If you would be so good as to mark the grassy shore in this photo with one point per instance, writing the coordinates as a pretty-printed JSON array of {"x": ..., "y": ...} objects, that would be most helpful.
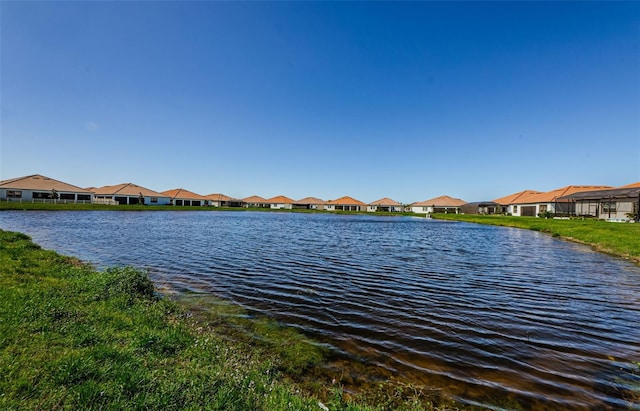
[
  {"x": 137, "y": 207},
  {"x": 75, "y": 338},
  {"x": 619, "y": 239}
]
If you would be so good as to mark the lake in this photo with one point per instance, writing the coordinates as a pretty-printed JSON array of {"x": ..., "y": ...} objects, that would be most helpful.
[{"x": 480, "y": 312}]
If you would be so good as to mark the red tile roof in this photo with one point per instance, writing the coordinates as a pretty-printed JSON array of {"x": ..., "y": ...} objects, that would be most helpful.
[
  {"x": 40, "y": 182},
  {"x": 386, "y": 202},
  {"x": 127, "y": 189},
  {"x": 346, "y": 200},
  {"x": 512, "y": 198},
  {"x": 254, "y": 199},
  {"x": 442, "y": 201},
  {"x": 218, "y": 197},
  {"x": 552, "y": 196},
  {"x": 181, "y": 193},
  {"x": 279, "y": 200},
  {"x": 310, "y": 200}
]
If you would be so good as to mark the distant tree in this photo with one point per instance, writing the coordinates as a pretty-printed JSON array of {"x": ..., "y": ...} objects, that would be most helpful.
[
  {"x": 140, "y": 198},
  {"x": 54, "y": 194}
]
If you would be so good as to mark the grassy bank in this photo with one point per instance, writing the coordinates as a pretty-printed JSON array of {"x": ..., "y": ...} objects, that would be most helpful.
[
  {"x": 619, "y": 239},
  {"x": 75, "y": 338},
  {"x": 97, "y": 207}
]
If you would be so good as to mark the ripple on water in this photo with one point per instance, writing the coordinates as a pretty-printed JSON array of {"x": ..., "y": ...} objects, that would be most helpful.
[{"x": 480, "y": 312}]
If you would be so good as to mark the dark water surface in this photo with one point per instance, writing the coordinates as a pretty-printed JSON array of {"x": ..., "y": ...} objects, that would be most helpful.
[{"x": 480, "y": 312}]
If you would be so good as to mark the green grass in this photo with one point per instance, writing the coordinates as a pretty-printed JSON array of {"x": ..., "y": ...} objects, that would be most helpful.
[
  {"x": 75, "y": 338},
  {"x": 619, "y": 239}
]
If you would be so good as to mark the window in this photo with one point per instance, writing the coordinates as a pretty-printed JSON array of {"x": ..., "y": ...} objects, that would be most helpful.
[
  {"x": 608, "y": 207},
  {"x": 84, "y": 197},
  {"x": 37, "y": 194},
  {"x": 543, "y": 208},
  {"x": 67, "y": 196},
  {"x": 154, "y": 199},
  {"x": 515, "y": 209},
  {"x": 14, "y": 193}
]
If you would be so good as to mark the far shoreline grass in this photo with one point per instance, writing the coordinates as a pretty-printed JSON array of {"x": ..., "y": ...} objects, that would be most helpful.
[
  {"x": 616, "y": 239},
  {"x": 28, "y": 206}
]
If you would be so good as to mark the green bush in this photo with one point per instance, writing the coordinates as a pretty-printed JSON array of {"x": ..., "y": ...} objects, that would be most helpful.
[
  {"x": 546, "y": 214},
  {"x": 128, "y": 283}
]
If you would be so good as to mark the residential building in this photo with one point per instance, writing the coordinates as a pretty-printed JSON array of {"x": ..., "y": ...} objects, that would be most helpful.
[
  {"x": 442, "y": 204},
  {"x": 129, "y": 193},
  {"x": 221, "y": 200},
  {"x": 617, "y": 204},
  {"x": 508, "y": 203},
  {"x": 310, "y": 203},
  {"x": 345, "y": 203},
  {"x": 532, "y": 205},
  {"x": 39, "y": 188},
  {"x": 182, "y": 197},
  {"x": 385, "y": 204},
  {"x": 481, "y": 207},
  {"x": 255, "y": 202},
  {"x": 280, "y": 202}
]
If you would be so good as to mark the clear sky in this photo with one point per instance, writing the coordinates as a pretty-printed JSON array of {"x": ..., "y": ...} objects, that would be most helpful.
[{"x": 408, "y": 100}]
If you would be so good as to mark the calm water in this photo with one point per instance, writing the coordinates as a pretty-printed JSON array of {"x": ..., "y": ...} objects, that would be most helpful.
[{"x": 481, "y": 312}]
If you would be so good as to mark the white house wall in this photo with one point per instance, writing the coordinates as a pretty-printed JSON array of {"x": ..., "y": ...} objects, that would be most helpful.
[
  {"x": 283, "y": 206},
  {"x": 27, "y": 196},
  {"x": 421, "y": 209}
]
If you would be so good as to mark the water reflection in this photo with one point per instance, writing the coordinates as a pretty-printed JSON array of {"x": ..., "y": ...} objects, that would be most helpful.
[{"x": 481, "y": 312}]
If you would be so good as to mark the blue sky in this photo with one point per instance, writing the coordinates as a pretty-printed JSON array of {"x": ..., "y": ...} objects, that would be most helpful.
[{"x": 408, "y": 100}]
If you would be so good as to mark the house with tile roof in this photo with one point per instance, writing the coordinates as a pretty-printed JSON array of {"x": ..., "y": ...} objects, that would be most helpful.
[
  {"x": 182, "y": 197},
  {"x": 532, "y": 205},
  {"x": 345, "y": 203},
  {"x": 128, "y": 194},
  {"x": 616, "y": 204},
  {"x": 481, "y": 207},
  {"x": 221, "y": 200},
  {"x": 280, "y": 202},
  {"x": 506, "y": 203},
  {"x": 39, "y": 188},
  {"x": 385, "y": 204},
  {"x": 255, "y": 202},
  {"x": 442, "y": 204},
  {"x": 309, "y": 203}
]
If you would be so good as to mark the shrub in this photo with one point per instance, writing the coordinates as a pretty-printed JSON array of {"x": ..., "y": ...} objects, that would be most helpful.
[
  {"x": 128, "y": 283},
  {"x": 546, "y": 214}
]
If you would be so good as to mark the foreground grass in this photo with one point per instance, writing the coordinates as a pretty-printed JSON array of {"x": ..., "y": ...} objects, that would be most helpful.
[
  {"x": 619, "y": 239},
  {"x": 75, "y": 338}
]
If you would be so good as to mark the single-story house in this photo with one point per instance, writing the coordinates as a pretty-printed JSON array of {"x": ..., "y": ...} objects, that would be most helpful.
[
  {"x": 442, "y": 204},
  {"x": 506, "y": 203},
  {"x": 617, "y": 204},
  {"x": 384, "y": 204},
  {"x": 481, "y": 207},
  {"x": 255, "y": 202},
  {"x": 129, "y": 193},
  {"x": 533, "y": 204},
  {"x": 345, "y": 203},
  {"x": 182, "y": 197},
  {"x": 280, "y": 202},
  {"x": 221, "y": 200},
  {"x": 309, "y": 203},
  {"x": 39, "y": 188}
]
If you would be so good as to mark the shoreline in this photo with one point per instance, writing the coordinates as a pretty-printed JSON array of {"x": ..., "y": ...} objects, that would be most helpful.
[
  {"x": 598, "y": 234},
  {"x": 109, "y": 339},
  {"x": 621, "y": 240}
]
